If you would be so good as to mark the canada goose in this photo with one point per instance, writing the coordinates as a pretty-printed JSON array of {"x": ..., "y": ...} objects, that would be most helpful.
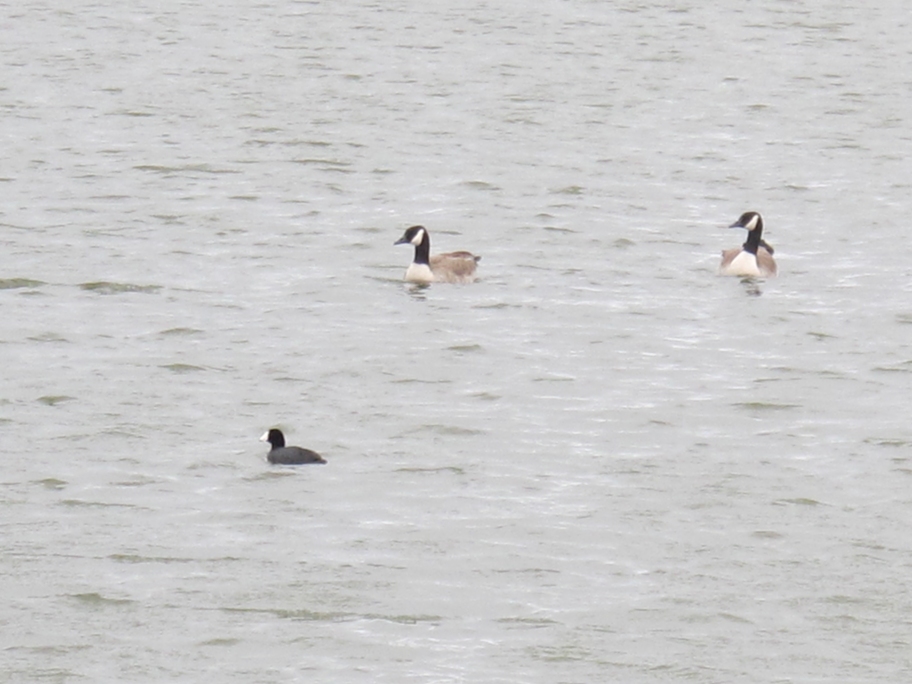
[
  {"x": 287, "y": 455},
  {"x": 755, "y": 256},
  {"x": 450, "y": 267}
]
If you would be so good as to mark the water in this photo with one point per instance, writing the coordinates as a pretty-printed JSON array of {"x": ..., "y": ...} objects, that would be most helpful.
[{"x": 599, "y": 463}]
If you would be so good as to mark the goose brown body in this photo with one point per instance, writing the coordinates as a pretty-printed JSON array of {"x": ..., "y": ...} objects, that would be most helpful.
[
  {"x": 755, "y": 256},
  {"x": 448, "y": 267}
]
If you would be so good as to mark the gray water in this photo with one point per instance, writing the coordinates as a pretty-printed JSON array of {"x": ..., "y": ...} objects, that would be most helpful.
[{"x": 600, "y": 463}]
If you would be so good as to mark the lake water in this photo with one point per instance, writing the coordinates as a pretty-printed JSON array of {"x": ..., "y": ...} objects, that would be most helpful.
[{"x": 600, "y": 463}]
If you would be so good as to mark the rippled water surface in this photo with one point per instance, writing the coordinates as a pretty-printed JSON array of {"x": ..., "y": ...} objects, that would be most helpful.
[{"x": 600, "y": 463}]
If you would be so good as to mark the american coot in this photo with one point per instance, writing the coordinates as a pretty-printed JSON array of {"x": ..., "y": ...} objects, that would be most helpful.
[
  {"x": 754, "y": 257},
  {"x": 287, "y": 455},
  {"x": 450, "y": 267}
]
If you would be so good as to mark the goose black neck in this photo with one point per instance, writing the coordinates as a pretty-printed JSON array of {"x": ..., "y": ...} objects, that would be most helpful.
[
  {"x": 423, "y": 250},
  {"x": 753, "y": 238}
]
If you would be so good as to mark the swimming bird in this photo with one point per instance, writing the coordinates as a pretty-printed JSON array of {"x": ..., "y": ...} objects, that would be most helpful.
[
  {"x": 450, "y": 267},
  {"x": 284, "y": 455},
  {"x": 755, "y": 256}
]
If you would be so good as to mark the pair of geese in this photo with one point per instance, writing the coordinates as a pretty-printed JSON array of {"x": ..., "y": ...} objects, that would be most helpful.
[{"x": 752, "y": 259}]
